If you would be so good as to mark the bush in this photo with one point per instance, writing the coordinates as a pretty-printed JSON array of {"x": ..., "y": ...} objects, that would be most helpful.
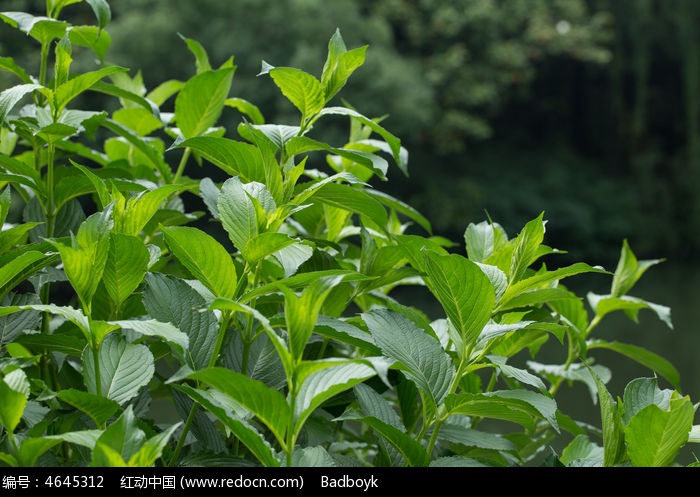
[{"x": 270, "y": 311}]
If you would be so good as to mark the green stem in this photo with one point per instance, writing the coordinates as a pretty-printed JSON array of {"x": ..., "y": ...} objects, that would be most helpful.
[
  {"x": 44, "y": 63},
  {"x": 50, "y": 194},
  {"x": 223, "y": 326},
  {"x": 183, "y": 435},
  {"x": 181, "y": 165}
]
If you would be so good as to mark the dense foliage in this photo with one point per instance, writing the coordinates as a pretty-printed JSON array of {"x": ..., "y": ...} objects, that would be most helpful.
[{"x": 263, "y": 328}]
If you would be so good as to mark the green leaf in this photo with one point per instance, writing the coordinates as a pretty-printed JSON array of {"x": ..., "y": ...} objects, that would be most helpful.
[
  {"x": 154, "y": 328},
  {"x": 237, "y": 213},
  {"x": 339, "y": 65},
  {"x": 32, "y": 448},
  {"x": 91, "y": 37},
  {"x": 303, "y": 144},
  {"x": 84, "y": 438},
  {"x": 20, "y": 268},
  {"x": 628, "y": 271},
  {"x": 542, "y": 280},
  {"x": 123, "y": 438},
  {"x": 8, "y": 64},
  {"x": 301, "y": 88},
  {"x": 12, "y": 403},
  {"x": 246, "y": 433},
  {"x": 127, "y": 96},
  {"x": 105, "y": 456},
  {"x": 613, "y": 434},
  {"x": 204, "y": 257},
  {"x": 84, "y": 263},
  {"x": 152, "y": 449},
  {"x": 373, "y": 404},
  {"x": 173, "y": 300},
  {"x": 642, "y": 356},
  {"x": 394, "y": 143},
  {"x": 465, "y": 292},
  {"x": 322, "y": 385},
  {"x": 267, "y": 404},
  {"x": 246, "y": 108},
  {"x": 12, "y": 96},
  {"x": 413, "y": 452},
  {"x": 425, "y": 361},
  {"x": 126, "y": 266},
  {"x": 521, "y": 375},
  {"x": 312, "y": 457},
  {"x": 266, "y": 244},
  {"x": 14, "y": 326},
  {"x": 200, "y": 54},
  {"x": 479, "y": 239},
  {"x": 654, "y": 436},
  {"x": 98, "y": 408},
  {"x": 345, "y": 332},
  {"x": 41, "y": 29},
  {"x": 526, "y": 249},
  {"x": 293, "y": 256},
  {"x": 161, "y": 93},
  {"x": 353, "y": 200},
  {"x": 575, "y": 372},
  {"x": 302, "y": 311},
  {"x": 131, "y": 217},
  {"x": 74, "y": 87},
  {"x": 154, "y": 156},
  {"x": 124, "y": 368},
  {"x": 102, "y": 11},
  {"x": 200, "y": 102},
  {"x": 581, "y": 449},
  {"x": 401, "y": 208},
  {"x": 518, "y": 406},
  {"x": 604, "y": 304},
  {"x": 474, "y": 438},
  {"x": 643, "y": 392}
]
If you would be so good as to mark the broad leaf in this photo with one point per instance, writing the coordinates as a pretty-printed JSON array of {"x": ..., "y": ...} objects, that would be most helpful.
[
  {"x": 526, "y": 248},
  {"x": 126, "y": 266},
  {"x": 152, "y": 327},
  {"x": 123, "y": 437},
  {"x": 74, "y": 87},
  {"x": 153, "y": 448},
  {"x": 628, "y": 271},
  {"x": 12, "y": 403},
  {"x": 325, "y": 384},
  {"x": 643, "y": 392},
  {"x": 465, "y": 292},
  {"x": 468, "y": 437},
  {"x": 266, "y": 404},
  {"x": 204, "y": 257},
  {"x": 581, "y": 449},
  {"x": 98, "y": 408},
  {"x": 642, "y": 356},
  {"x": 32, "y": 448},
  {"x": 424, "y": 359},
  {"x": 124, "y": 368},
  {"x": 613, "y": 435},
  {"x": 12, "y": 96},
  {"x": 200, "y": 102},
  {"x": 312, "y": 457},
  {"x": 173, "y": 300},
  {"x": 237, "y": 213},
  {"x": 301, "y": 88},
  {"x": 605, "y": 304},
  {"x": 654, "y": 436},
  {"x": 353, "y": 200}
]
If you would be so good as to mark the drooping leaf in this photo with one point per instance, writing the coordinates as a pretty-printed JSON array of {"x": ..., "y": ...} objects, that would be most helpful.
[
  {"x": 12, "y": 96},
  {"x": 605, "y": 304},
  {"x": 267, "y": 404},
  {"x": 102, "y": 12},
  {"x": 98, "y": 408},
  {"x": 642, "y": 356},
  {"x": 424, "y": 359},
  {"x": 155, "y": 328},
  {"x": 247, "y": 108},
  {"x": 124, "y": 368},
  {"x": 324, "y": 384},
  {"x": 353, "y": 200},
  {"x": 474, "y": 438},
  {"x": 292, "y": 256},
  {"x": 200, "y": 54}
]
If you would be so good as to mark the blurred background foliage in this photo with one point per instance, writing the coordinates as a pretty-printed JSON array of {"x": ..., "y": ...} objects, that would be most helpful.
[{"x": 586, "y": 109}]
